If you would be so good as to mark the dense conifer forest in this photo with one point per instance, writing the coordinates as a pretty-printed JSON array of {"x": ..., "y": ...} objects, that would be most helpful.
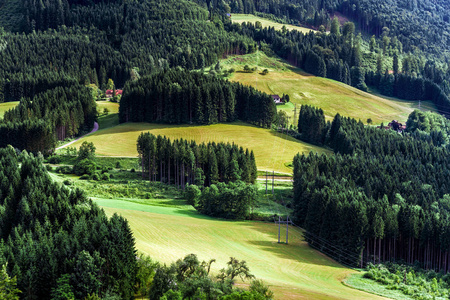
[
  {"x": 57, "y": 241},
  {"x": 184, "y": 162},
  {"x": 177, "y": 96},
  {"x": 383, "y": 196}
]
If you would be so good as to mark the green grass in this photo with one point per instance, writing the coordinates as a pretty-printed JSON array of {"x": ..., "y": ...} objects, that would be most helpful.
[
  {"x": 358, "y": 282},
  {"x": 239, "y": 18},
  {"x": 112, "y": 118},
  {"x": 272, "y": 150},
  {"x": 332, "y": 96},
  {"x": 7, "y": 106},
  {"x": 293, "y": 271}
]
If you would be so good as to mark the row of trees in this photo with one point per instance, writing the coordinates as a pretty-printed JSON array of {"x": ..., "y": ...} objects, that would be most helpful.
[
  {"x": 182, "y": 162},
  {"x": 37, "y": 122},
  {"x": 383, "y": 196},
  {"x": 179, "y": 96},
  {"x": 57, "y": 242}
]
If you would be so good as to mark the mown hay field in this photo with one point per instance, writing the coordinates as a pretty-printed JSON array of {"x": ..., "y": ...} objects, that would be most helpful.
[{"x": 273, "y": 151}]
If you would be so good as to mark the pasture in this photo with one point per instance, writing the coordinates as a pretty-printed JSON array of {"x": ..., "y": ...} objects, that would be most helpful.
[
  {"x": 273, "y": 151},
  {"x": 293, "y": 271},
  {"x": 332, "y": 96},
  {"x": 7, "y": 106},
  {"x": 239, "y": 18}
]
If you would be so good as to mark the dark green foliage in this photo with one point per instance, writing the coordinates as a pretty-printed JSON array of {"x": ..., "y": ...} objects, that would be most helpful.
[
  {"x": 181, "y": 162},
  {"x": 60, "y": 112},
  {"x": 8, "y": 290},
  {"x": 230, "y": 201},
  {"x": 177, "y": 96},
  {"x": 382, "y": 196},
  {"x": 411, "y": 281},
  {"x": 57, "y": 241},
  {"x": 311, "y": 124}
]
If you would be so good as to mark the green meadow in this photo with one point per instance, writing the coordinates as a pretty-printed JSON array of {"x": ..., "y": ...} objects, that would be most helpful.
[
  {"x": 332, "y": 96},
  {"x": 7, "y": 106},
  {"x": 239, "y": 18},
  {"x": 273, "y": 151},
  {"x": 293, "y": 271}
]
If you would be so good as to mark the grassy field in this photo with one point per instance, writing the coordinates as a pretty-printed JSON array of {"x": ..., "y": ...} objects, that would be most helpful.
[
  {"x": 7, "y": 106},
  {"x": 332, "y": 96},
  {"x": 293, "y": 271},
  {"x": 272, "y": 150},
  {"x": 239, "y": 18}
]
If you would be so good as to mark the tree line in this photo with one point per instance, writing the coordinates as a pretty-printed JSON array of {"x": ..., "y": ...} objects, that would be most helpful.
[
  {"x": 382, "y": 197},
  {"x": 56, "y": 241},
  {"x": 180, "y": 96},
  {"x": 182, "y": 162},
  {"x": 37, "y": 122}
]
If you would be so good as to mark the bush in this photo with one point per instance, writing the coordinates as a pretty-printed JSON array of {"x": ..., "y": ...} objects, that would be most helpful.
[
  {"x": 132, "y": 170},
  {"x": 192, "y": 194},
  {"x": 85, "y": 166},
  {"x": 64, "y": 170},
  {"x": 84, "y": 177},
  {"x": 55, "y": 159},
  {"x": 95, "y": 177},
  {"x": 49, "y": 168},
  {"x": 118, "y": 165},
  {"x": 105, "y": 176},
  {"x": 67, "y": 182}
]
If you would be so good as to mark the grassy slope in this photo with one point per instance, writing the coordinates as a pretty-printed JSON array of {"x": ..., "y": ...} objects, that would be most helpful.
[
  {"x": 112, "y": 118},
  {"x": 7, "y": 106},
  {"x": 239, "y": 18},
  {"x": 293, "y": 271},
  {"x": 330, "y": 95},
  {"x": 272, "y": 150}
]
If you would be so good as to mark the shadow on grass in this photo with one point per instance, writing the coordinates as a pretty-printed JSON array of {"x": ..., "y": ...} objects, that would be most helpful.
[{"x": 297, "y": 248}]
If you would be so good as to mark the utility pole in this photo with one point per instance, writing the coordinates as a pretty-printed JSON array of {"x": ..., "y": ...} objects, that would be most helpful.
[
  {"x": 287, "y": 229},
  {"x": 279, "y": 228},
  {"x": 295, "y": 114},
  {"x": 266, "y": 182},
  {"x": 273, "y": 182}
]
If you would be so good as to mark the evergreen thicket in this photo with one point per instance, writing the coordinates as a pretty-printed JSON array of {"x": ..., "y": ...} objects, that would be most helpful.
[
  {"x": 37, "y": 122},
  {"x": 181, "y": 162},
  {"x": 382, "y": 197},
  {"x": 56, "y": 241},
  {"x": 179, "y": 96}
]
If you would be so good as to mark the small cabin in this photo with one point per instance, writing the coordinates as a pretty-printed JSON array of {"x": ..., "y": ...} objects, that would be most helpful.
[{"x": 277, "y": 99}]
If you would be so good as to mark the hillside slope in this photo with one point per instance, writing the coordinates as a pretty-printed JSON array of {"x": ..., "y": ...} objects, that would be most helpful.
[
  {"x": 293, "y": 271},
  {"x": 273, "y": 151},
  {"x": 332, "y": 96}
]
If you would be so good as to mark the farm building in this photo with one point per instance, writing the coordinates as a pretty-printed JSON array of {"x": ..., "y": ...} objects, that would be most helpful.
[
  {"x": 109, "y": 93},
  {"x": 277, "y": 99}
]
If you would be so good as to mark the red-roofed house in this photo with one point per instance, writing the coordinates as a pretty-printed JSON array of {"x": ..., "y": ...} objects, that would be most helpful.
[{"x": 109, "y": 93}]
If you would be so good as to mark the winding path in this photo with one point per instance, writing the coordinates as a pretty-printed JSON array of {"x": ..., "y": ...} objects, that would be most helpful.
[{"x": 68, "y": 144}]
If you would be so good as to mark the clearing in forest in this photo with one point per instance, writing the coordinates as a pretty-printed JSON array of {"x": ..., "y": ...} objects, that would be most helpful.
[
  {"x": 293, "y": 271},
  {"x": 273, "y": 151},
  {"x": 239, "y": 18},
  {"x": 7, "y": 106},
  {"x": 332, "y": 96}
]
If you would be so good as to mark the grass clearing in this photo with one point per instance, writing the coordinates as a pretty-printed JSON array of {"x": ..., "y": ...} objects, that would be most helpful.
[
  {"x": 5, "y": 106},
  {"x": 272, "y": 150},
  {"x": 239, "y": 18},
  {"x": 332, "y": 96},
  {"x": 293, "y": 271}
]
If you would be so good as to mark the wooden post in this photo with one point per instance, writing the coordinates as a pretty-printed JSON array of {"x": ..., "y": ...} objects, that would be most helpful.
[
  {"x": 266, "y": 182},
  {"x": 287, "y": 229},
  {"x": 273, "y": 182},
  {"x": 279, "y": 228}
]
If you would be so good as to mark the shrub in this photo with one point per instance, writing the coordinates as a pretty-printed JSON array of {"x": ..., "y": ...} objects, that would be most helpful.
[
  {"x": 67, "y": 182},
  {"x": 105, "y": 176},
  {"x": 84, "y": 177},
  {"x": 132, "y": 170},
  {"x": 55, "y": 159},
  {"x": 49, "y": 168},
  {"x": 118, "y": 165}
]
